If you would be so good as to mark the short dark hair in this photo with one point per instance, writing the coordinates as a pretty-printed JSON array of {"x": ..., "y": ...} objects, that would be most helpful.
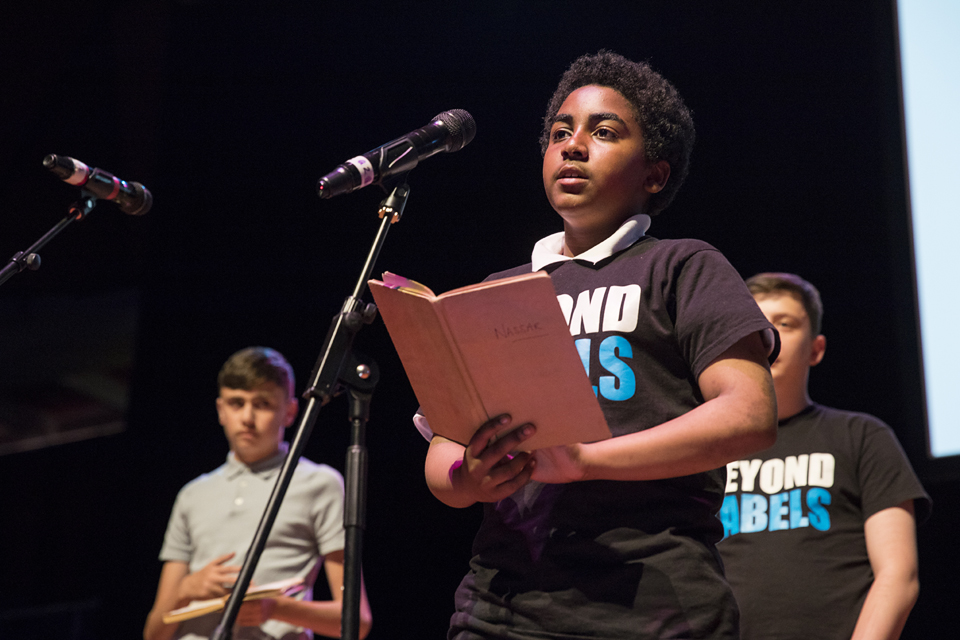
[
  {"x": 253, "y": 366},
  {"x": 767, "y": 283},
  {"x": 666, "y": 122}
]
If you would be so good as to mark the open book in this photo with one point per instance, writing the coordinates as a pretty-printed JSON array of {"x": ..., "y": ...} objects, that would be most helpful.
[
  {"x": 198, "y": 608},
  {"x": 495, "y": 347}
]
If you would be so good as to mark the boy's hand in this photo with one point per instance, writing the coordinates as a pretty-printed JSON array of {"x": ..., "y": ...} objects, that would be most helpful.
[
  {"x": 558, "y": 465},
  {"x": 488, "y": 471},
  {"x": 208, "y": 582},
  {"x": 255, "y": 612}
]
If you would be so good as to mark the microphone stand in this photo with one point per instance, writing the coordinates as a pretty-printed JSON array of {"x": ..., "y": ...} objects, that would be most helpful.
[
  {"x": 337, "y": 368},
  {"x": 29, "y": 259}
]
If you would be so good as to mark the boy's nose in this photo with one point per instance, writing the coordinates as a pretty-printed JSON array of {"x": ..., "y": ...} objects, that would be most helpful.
[{"x": 574, "y": 148}]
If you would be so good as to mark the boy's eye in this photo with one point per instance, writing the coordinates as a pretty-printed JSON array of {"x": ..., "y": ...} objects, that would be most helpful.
[
  {"x": 606, "y": 134},
  {"x": 559, "y": 134}
]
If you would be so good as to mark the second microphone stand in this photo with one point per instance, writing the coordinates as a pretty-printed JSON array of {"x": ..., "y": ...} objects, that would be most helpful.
[
  {"x": 337, "y": 369},
  {"x": 29, "y": 259}
]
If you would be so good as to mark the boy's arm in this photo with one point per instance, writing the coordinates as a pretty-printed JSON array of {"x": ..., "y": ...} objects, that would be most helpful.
[
  {"x": 892, "y": 548},
  {"x": 178, "y": 587},
  {"x": 483, "y": 471},
  {"x": 738, "y": 417},
  {"x": 167, "y": 600},
  {"x": 323, "y": 617}
]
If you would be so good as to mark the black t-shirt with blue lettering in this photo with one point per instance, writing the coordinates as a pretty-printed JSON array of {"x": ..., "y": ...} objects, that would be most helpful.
[
  {"x": 793, "y": 517},
  {"x": 624, "y": 560}
]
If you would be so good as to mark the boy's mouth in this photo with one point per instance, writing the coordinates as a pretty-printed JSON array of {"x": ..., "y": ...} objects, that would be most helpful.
[{"x": 570, "y": 173}]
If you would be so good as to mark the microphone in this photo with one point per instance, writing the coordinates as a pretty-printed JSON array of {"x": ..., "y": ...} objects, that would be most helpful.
[
  {"x": 131, "y": 197},
  {"x": 449, "y": 131}
]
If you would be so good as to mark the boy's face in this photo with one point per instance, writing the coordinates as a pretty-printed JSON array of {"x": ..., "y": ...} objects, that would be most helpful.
[
  {"x": 254, "y": 420},
  {"x": 594, "y": 170},
  {"x": 799, "y": 348}
]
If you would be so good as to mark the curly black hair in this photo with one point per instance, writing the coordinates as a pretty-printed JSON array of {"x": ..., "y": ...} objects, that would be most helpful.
[{"x": 666, "y": 122}]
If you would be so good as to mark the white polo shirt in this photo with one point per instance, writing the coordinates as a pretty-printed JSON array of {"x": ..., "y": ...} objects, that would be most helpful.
[{"x": 218, "y": 513}]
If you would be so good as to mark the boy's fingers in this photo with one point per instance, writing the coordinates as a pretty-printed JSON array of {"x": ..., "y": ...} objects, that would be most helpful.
[
  {"x": 481, "y": 439},
  {"x": 509, "y": 442},
  {"x": 521, "y": 478},
  {"x": 513, "y": 465}
]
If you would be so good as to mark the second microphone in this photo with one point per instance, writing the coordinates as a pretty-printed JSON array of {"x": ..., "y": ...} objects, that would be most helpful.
[{"x": 449, "y": 131}]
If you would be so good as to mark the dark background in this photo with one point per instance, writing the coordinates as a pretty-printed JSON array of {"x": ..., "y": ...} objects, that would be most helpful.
[{"x": 230, "y": 111}]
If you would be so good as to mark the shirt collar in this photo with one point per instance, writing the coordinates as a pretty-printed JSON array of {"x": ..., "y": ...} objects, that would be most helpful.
[
  {"x": 550, "y": 249},
  {"x": 263, "y": 469}
]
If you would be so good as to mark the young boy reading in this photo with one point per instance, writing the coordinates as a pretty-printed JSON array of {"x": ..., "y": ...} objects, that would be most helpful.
[
  {"x": 216, "y": 515},
  {"x": 615, "y": 539}
]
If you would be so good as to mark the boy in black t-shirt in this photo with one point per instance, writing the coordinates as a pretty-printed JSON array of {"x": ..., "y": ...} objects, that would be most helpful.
[
  {"x": 820, "y": 528},
  {"x": 615, "y": 539}
]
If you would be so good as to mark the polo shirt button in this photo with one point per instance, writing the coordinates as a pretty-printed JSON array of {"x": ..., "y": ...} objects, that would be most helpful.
[{"x": 238, "y": 501}]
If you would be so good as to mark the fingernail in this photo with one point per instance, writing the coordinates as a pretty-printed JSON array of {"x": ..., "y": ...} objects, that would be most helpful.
[{"x": 504, "y": 419}]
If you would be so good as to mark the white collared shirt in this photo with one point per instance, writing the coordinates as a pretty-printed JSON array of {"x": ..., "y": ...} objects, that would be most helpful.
[{"x": 550, "y": 249}]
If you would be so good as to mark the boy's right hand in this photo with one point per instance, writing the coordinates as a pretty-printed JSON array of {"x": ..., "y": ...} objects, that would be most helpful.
[
  {"x": 208, "y": 582},
  {"x": 488, "y": 471}
]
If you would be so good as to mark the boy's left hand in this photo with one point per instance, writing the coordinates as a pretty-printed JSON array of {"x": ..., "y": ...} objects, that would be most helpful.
[{"x": 558, "y": 465}]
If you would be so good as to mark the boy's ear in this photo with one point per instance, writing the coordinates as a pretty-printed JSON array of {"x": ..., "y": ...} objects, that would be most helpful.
[
  {"x": 292, "y": 408},
  {"x": 220, "y": 410},
  {"x": 657, "y": 178},
  {"x": 818, "y": 347}
]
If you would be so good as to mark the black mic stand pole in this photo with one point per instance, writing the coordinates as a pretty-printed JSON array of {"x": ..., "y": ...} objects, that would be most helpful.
[
  {"x": 355, "y": 509},
  {"x": 329, "y": 377},
  {"x": 29, "y": 259}
]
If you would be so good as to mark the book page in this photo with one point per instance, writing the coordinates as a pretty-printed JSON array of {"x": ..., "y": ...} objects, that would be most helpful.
[{"x": 393, "y": 281}]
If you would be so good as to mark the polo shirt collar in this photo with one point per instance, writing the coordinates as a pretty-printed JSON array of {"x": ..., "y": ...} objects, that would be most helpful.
[
  {"x": 263, "y": 469},
  {"x": 550, "y": 249}
]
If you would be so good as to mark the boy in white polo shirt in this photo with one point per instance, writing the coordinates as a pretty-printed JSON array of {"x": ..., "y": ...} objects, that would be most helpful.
[{"x": 216, "y": 515}]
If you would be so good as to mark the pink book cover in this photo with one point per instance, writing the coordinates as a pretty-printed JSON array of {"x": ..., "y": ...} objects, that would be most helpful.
[{"x": 501, "y": 346}]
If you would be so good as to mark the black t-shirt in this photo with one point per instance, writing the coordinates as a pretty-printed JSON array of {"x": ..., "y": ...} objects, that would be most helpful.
[
  {"x": 604, "y": 559},
  {"x": 793, "y": 518}
]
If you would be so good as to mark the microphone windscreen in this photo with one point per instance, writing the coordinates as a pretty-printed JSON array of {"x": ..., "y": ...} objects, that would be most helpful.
[{"x": 461, "y": 126}]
